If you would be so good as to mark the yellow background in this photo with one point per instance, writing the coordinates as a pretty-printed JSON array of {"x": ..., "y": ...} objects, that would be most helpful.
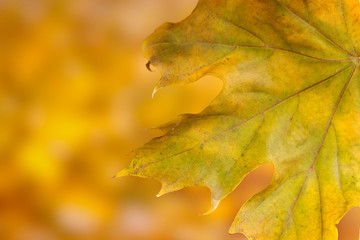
[{"x": 75, "y": 99}]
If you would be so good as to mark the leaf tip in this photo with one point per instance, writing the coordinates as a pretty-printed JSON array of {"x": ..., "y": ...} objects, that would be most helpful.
[
  {"x": 168, "y": 188},
  {"x": 148, "y": 66},
  {"x": 122, "y": 173},
  {"x": 164, "y": 190},
  {"x": 156, "y": 89},
  {"x": 214, "y": 204}
]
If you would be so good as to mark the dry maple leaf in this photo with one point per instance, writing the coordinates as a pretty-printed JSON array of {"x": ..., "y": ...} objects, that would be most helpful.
[{"x": 291, "y": 97}]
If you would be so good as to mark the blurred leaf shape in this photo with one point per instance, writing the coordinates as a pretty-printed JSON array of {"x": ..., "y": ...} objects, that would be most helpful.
[{"x": 290, "y": 98}]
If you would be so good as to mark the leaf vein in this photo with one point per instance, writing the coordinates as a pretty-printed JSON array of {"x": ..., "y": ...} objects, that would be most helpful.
[
  {"x": 320, "y": 147},
  {"x": 256, "y": 115},
  {"x": 247, "y": 46},
  {"x": 313, "y": 27}
]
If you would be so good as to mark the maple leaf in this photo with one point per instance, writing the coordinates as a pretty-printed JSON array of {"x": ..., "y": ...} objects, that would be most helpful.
[{"x": 291, "y": 97}]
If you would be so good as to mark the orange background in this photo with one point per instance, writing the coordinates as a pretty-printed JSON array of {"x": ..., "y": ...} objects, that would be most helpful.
[{"x": 75, "y": 99}]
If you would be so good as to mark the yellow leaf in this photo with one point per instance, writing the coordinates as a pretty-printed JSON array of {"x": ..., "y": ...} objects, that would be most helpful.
[{"x": 290, "y": 97}]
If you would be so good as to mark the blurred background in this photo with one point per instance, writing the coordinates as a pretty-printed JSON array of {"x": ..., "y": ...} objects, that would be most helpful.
[{"x": 75, "y": 99}]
